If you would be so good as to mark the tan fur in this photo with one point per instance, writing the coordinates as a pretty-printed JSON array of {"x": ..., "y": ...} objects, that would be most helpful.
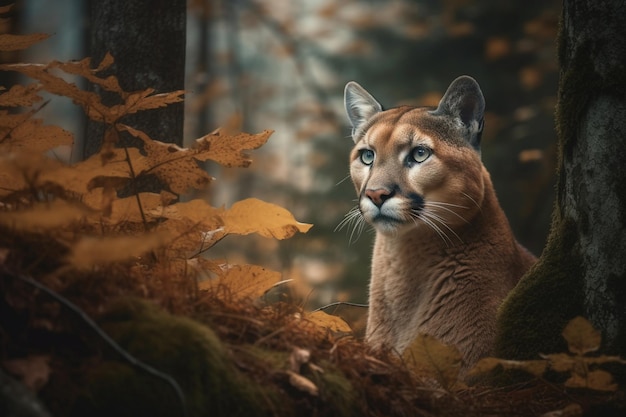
[{"x": 449, "y": 282}]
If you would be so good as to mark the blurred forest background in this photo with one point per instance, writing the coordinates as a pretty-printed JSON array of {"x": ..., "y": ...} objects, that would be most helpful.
[{"x": 282, "y": 65}]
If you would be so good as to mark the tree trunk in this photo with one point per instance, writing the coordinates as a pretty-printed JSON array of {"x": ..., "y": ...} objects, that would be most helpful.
[
  {"x": 147, "y": 41},
  {"x": 583, "y": 268}
]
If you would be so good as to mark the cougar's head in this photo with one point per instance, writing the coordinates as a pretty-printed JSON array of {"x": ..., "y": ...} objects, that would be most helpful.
[{"x": 418, "y": 167}]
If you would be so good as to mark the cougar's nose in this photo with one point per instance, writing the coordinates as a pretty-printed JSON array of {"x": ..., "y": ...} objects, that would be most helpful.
[{"x": 379, "y": 195}]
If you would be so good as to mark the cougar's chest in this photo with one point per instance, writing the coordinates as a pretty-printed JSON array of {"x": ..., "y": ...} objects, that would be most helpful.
[{"x": 407, "y": 279}]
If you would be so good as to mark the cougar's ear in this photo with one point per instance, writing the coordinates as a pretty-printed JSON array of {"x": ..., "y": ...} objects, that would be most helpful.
[
  {"x": 360, "y": 106},
  {"x": 464, "y": 102}
]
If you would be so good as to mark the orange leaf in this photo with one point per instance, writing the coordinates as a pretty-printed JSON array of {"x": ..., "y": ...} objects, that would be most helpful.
[
  {"x": 32, "y": 136},
  {"x": 90, "y": 101},
  {"x": 20, "y": 95},
  {"x": 91, "y": 251},
  {"x": 229, "y": 150},
  {"x": 145, "y": 100},
  {"x": 266, "y": 219},
  {"x": 44, "y": 216},
  {"x": 11, "y": 121},
  {"x": 328, "y": 321},
  {"x": 581, "y": 337},
  {"x": 83, "y": 69},
  {"x": 196, "y": 211},
  {"x": 120, "y": 209},
  {"x": 20, "y": 169},
  {"x": 176, "y": 166},
  {"x": 197, "y": 225},
  {"x": 243, "y": 281},
  {"x": 10, "y": 42},
  {"x": 428, "y": 355},
  {"x": 79, "y": 176}
]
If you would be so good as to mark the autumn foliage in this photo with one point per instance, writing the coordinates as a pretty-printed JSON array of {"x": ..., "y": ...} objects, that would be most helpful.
[
  {"x": 43, "y": 195},
  {"x": 81, "y": 242}
]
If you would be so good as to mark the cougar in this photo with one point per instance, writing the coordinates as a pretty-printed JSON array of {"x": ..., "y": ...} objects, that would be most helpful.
[{"x": 444, "y": 254}]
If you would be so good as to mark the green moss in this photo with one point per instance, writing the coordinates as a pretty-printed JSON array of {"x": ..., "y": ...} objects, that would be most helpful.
[
  {"x": 533, "y": 316},
  {"x": 550, "y": 294},
  {"x": 336, "y": 391},
  {"x": 579, "y": 84},
  {"x": 337, "y": 396},
  {"x": 186, "y": 350}
]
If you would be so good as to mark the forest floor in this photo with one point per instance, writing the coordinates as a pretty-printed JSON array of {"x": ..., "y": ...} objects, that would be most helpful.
[{"x": 135, "y": 338}]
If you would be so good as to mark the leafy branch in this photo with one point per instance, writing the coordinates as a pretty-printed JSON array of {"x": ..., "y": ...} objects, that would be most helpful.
[{"x": 87, "y": 192}]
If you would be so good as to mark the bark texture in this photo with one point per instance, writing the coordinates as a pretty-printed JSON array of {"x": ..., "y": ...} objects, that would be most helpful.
[
  {"x": 583, "y": 268},
  {"x": 147, "y": 41}
]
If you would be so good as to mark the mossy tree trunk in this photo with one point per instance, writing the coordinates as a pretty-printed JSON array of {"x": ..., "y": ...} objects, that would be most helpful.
[{"x": 583, "y": 268}]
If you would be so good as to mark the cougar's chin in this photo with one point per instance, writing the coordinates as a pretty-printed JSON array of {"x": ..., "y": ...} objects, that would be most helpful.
[{"x": 387, "y": 219}]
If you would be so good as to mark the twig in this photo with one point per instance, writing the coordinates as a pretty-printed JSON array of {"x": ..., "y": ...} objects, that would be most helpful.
[
  {"x": 31, "y": 114},
  {"x": 123, "y": 353},
  {"x": 135, "y": 190},
  {"x": 341, "y": 303}
]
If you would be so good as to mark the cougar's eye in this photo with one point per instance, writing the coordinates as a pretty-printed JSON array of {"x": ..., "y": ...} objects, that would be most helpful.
[
  {"x": 367, "y": 156},
  {"x": 419, "y": 154}
]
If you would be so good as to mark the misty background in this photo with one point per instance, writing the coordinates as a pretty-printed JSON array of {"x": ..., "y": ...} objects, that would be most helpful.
[{"x": 282, "y": 65}]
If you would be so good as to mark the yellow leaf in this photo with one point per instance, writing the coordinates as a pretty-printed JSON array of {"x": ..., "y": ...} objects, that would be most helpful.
[
  {"x": 207, "y": 268},
  {"x": 229, "y": 150},
  {"x": 534, "y": 367},
  {"x": 127, "y": 209},
  {"x": 83, "y": 69},
  {"x": 195, "y": 223},
  {"x": 91, "y": 251},
  {"x": 10, "y": 42},
  {"x": 176, "y": 166},
  {"x": 90, "y": 101},
  {"x": 604, "y": 359},
  {"x": 78, "y": 177},
  {"x": 581, "y": 337},
  {"x": 576, "y": 381},
  {"x": 20, "y": 169},
  {"x": 32, "y": 136},
  {"x": 28, "y": 166},
  {"x": 106, "y": 62},
  {"x": 428, "y": 355},
  {"x": 11, "y": 121},
  {"x": 334, "y": 323},
  {"x": 44, "y": 216},
  {"x": 598, "y": 380},
  {"x": 197, "y": 211},
  {"x": 244, "y": 281},
  {"x": 266, "y": 219},
  {"x": 562, "y": 362},
  {"x": 121, "y": 209},
  {"x": 145, "y": 100},
  {"x": 485, "y": 365},
  {"x": 570, "y": 410}
]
